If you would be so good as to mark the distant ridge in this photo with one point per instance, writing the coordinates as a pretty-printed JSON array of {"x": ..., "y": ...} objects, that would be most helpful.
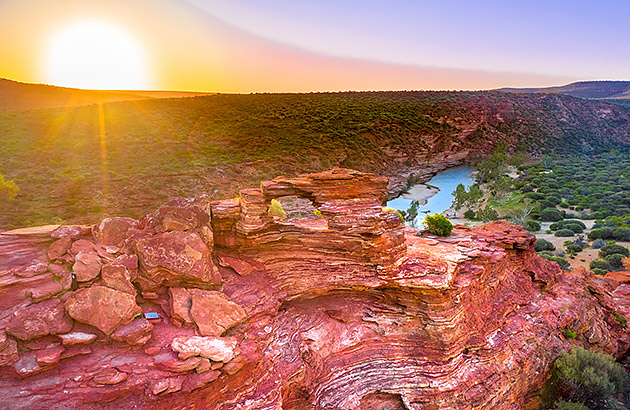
[
  {"x": 608, "y": 90},
  {"x": 15, "y": 96}
]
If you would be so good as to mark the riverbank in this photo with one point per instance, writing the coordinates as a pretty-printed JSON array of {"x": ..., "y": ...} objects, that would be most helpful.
[
  {"x": 435, "y": 197},
  {"x": 420, "y": 193},
  {"x": 399, "y": 181}
]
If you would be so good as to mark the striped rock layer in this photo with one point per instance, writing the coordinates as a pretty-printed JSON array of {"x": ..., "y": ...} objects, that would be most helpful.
[{"x": 337, "y": 306}]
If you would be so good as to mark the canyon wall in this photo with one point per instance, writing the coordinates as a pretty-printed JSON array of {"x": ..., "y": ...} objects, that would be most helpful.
[{"x": 223, "y": 305}]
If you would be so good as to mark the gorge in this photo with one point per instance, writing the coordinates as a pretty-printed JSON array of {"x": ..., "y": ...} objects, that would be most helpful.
[{"x": 212, "y": 304}]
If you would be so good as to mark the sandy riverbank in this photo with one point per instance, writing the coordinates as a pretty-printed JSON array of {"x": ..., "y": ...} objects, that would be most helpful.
[{"x": 420, "y": 193}]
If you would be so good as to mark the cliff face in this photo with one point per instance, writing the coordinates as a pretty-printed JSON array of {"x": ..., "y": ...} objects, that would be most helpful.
[{"x": 220, "y": 305}]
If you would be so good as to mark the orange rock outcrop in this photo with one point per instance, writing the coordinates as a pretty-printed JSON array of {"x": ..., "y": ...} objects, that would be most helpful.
[{"x": 340, "y": 307}]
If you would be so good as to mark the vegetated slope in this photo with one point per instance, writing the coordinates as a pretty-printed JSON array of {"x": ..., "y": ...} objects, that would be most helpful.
[
  {"x": 22, "y": 96},
  {"x": 610, "y": 91},
  {"x": 80, "y": 164}
]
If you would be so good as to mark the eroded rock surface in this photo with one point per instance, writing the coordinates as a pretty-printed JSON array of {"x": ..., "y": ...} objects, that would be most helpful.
[{"x": 220, "y": 305}]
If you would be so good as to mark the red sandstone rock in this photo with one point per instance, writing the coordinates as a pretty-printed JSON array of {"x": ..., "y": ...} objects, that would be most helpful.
[
  {"x": 197, "y": 381},
  {"x": 27, "y": 366},
  {"x": 113, "y": 231},
  {"x": 180, "y": 214},
  {"x": 40, "y": 319},
  {"x": 173, "y": 259},
  {"x": 240, "y": 266},
  {"x": 70, "y": 231},
  {"x": 218, "y": 349},
  {"x": 58, "y": 248},
  {"x": 620, "y": 276},
  {"x": 136, "y": 333},
  {"x": 176, "y": 365},
  {"x": 351, "y": 311},
  {"x": 49, "y": 356},
  {"x": 117, "y": 276},
  {"x": 8, "y": 350},
  {"x": 214, "y": 313},
  {"x": 77, "y": 338},
  {"x": 87, "y": 266},
  {"x": 180, "y": 304},
  {"x": 102, "y": 307},
  {"x": 211, "y": 311},
  {"x": 81, "y": 245},
  {"x": 110, "y": 377},
  {"x": 205, "y": 365}
]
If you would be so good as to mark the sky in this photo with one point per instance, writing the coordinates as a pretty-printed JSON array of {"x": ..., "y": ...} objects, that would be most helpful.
[{"x": 324, "y": 45}]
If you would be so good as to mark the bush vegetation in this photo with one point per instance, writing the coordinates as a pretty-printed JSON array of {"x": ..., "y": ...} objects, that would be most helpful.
[
  {"x": 589, "y": 378},
  {"x": 437, "y": 224},
  {"x": 544, "y": 245},
  {"x": 218, "y": 144}
]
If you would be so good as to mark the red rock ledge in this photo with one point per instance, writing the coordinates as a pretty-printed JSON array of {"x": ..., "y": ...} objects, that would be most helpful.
[{"x": 341, "y": 308}]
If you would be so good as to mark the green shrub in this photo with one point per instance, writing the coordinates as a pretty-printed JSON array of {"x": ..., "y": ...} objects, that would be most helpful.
[
  {"x": 532, "y": 226},
  {"x": 469, "y": 214},
  {"x": 622, "y": 320},
  {"x": 543, "y": 245},
  {"x": 569, "y": 333},
  {"x": 550, "y": 215},
  {"x": 8, "y": 189},
  {"x": 599, "y": 271},
  {"x": 564, "y": 233},
  {"x": 276, "y": 210},
  {"x": 615, "y": 260},
  {"x": 564, "y": 264},
  {"x": 599, "y": 264},
  {"x": 574, "y": 248},
  {"x": 587, "y": 377},
  {"x": 613, "y": 249},
  {"x": 438, "y": 225},
  {"x": 565, "y": 405}
]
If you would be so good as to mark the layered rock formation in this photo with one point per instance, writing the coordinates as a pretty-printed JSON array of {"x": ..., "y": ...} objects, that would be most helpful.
[{"x": 221, "y": 305}]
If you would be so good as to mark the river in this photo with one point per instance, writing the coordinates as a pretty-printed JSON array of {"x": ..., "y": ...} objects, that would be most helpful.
[{"x": 437, "y": 200}]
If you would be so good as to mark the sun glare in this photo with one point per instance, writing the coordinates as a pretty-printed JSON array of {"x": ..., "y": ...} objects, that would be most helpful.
[{"x": 96, "y": 55}]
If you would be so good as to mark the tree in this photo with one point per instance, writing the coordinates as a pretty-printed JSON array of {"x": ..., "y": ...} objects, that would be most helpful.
[
  {"x": 8, "y": 189},
  {"x": 520, "y": 215},
  {"x": 487, "y": 214},
  {"x": 501, "y": 186},
  {"x": 437, "y": 224},
  {"x": 475, "y": 193},
  {"x": 460, "y": 196}
]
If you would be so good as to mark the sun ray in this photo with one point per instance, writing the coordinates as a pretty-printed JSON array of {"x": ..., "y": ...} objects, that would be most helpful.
[{"x": 104, "y": 165}]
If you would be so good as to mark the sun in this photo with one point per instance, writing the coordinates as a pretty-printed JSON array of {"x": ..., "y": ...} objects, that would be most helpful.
[{"x": 96, "y": 55}]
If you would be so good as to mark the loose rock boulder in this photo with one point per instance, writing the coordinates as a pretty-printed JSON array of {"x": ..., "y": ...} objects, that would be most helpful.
[
  {"x": 138, "y": 332},
  {"x": 40, "y": 319},
  {"x": 87, "y": 266},
  {"x": 113, "y": 231},
  {"x": 174, "y": 259},
  {"x": 218, "y": 349},
  {"x": 102, "y": 307},
  {"x": 214, "y": 313}
]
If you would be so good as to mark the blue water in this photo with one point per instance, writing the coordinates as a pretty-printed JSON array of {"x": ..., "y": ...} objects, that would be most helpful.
[{"x": 446, "y": 181}]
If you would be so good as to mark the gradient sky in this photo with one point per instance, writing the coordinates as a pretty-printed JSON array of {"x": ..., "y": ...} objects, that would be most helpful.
[{"x": 289, "y": 45}]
